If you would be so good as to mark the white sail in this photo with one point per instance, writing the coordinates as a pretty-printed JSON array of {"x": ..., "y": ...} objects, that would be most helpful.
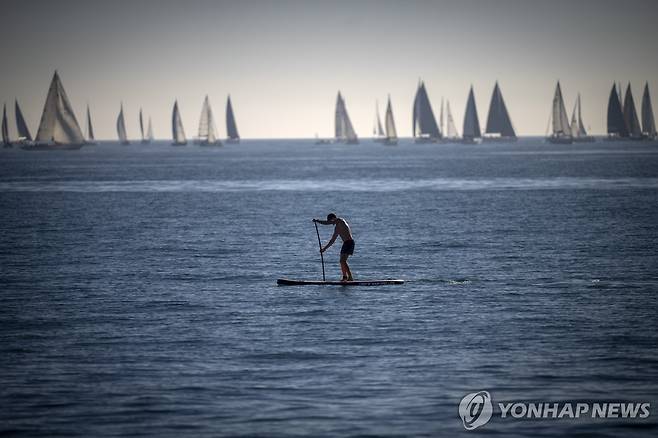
[
  {"x": 561, "y": 125},
  {"x": 378, "y": 131},
  {"x": 451, "y": 129},
  {"x": 391, "y": 132},
  {"x": 121, "y": 128},
  {"x": 207, "y": 131},
  {"x": 442, "y": 124},
  {"x": 90, "y": 129},
  {"x": 58, "y": 123},
  {"x": 344, "y": 129},
  {"x": 177, "y": 127},
  {"x": 149, "y": 131}
]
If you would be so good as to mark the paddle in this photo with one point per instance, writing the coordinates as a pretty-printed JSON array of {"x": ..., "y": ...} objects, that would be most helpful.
[{"x": 320, "y": 244}]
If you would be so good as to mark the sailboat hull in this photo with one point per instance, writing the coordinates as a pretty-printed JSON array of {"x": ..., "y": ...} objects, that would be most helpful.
[
  {"x": 425, "y": 140},
  {"x": 584, "y": 139},
  {"x": 390, "y": 142},
  {"x": 51, "y": 147},
  {"x": 232, "y": 141},
  {"x": 471, "y": 140},
  {"x": 559, "y": 140}
]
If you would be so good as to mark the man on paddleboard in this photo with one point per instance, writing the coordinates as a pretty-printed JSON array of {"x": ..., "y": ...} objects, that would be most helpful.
[{"x": 342, "y": 229}]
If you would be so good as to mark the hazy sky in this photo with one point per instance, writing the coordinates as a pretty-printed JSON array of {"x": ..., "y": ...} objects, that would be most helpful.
[{"x": 283, "y": 61}]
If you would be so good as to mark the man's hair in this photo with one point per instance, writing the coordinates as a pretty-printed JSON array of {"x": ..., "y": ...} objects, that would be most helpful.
[{"x": 331, "y": 216}]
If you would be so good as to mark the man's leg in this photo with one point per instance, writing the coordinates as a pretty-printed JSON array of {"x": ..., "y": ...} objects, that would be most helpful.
[{"x": 347, "y": 273}]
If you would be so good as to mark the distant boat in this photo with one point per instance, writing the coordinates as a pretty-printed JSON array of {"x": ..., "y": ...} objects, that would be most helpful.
[
  {"x": 616, "y": 126},
  {"x": 344, "y": 130},
  {"x": 425, "y": 129},
  {"x": 319, "y": 140},
  {"x": 178, "y": 132},
  {"x": 231, "y": 127},
  {"x": 391, "y": 138},
  {"x": 145, "y": 139},
  {"x": 648, "y": 121},
  {"x": 578, "y": 131},
  {"x": 90, "y": 130},
  {"x": 207, "y": 132},
  {"x": 471, "y": 130},
  {"x": 58, "y": 128},
  {"x": 561, "y": 133},
  {"x": 499, "y": 124},
  {"x": 451, "y": 130},
  {"x": 149, "y": 132},
  {"x": 630, "y": 116},
  {"x": 24, "y": 136},
  {"x": 121, "y": 128},
  {"x": 6, "y": 142},
  {"x": 377, "y": 130}
]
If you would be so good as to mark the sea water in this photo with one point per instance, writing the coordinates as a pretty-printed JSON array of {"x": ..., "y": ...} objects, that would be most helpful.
[{"x": 138, "y": 288}]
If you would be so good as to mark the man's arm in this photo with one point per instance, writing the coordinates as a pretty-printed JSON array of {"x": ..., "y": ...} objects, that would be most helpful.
[
  {"x": 331, "y": 241},
  {"x": 321, "y": 222}
]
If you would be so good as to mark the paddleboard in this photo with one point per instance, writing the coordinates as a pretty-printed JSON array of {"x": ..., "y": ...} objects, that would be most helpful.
[{"x": 289, "y": 282}]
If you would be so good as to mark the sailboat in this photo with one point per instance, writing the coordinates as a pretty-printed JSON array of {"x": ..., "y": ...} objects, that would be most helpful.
[
  {"x": 648, "y": 121},
  {"x": 121, "y": 128},
  {"x": 452, "y": 135},
  {"x": 377, "y": 130},
  {"x": 499, "y": 124},
  {"x": 391, "y": 138},
  {"x": 616, "y": 126},
  {"x": 425, "y": 129},
  {"x": 560, "y": 120},
  {"x": 231, "y": 127},
  {"x": 178, "y": 132},
  {"x": 471, "y": 130},
  {"x": 344, "y": 130},
  {"x": 58, "y": 128},
  {"x": 630, "y": 116},
  {"x": 6, "y": 142},
  {"x": 149, "y": 132},
  {"x": 207, "y": 133},
  {"x": 90, "y": 130},
  {"x": 145, "y": 139},
  {"x": 24, "y": 136},
  {"x": 578, "y": 132}
]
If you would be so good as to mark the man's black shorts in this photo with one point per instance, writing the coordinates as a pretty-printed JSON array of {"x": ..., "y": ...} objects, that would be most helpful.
[{"x": 348, "y": 247}]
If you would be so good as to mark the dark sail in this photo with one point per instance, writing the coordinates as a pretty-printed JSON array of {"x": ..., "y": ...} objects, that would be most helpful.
[
  {"x": 616, "y": 124},
  {"x": 471, "y": 121},
  {"x": 498, "y": 121},
  {"x": 648, "y": 121},
  {"x": 21, "y": 126},
  {"x": 424, "y": 122},
  {"x": 5, "y": 128},
  {"x": 231, "y": 128},
  {"x": 630, "y": 115}
]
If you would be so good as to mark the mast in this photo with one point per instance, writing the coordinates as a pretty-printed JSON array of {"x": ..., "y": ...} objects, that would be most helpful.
[
  {"x": 177, "y": 127},
  {"x": 121, "y": 128},
  {"x": 5, "y": 128},
  {"x": 231, "y": 127},
  {"x": 630, "y": 115},
  {"x": 21, "y": 126},
  {"x": 391, "y": 132},
  {"x": 90, "y": 129},
  {"x": 498, "y": 121},
  {"x": 648, "y": 121},
  {"x": 450, "y": 123},
  {"x": 58, "y": 124},
  {"x": 615, "y": 121},
  {"x": 471, "y": 123}
]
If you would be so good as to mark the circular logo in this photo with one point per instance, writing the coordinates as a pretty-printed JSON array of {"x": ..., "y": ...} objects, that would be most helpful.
[{"x": 475, "y": 409}]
